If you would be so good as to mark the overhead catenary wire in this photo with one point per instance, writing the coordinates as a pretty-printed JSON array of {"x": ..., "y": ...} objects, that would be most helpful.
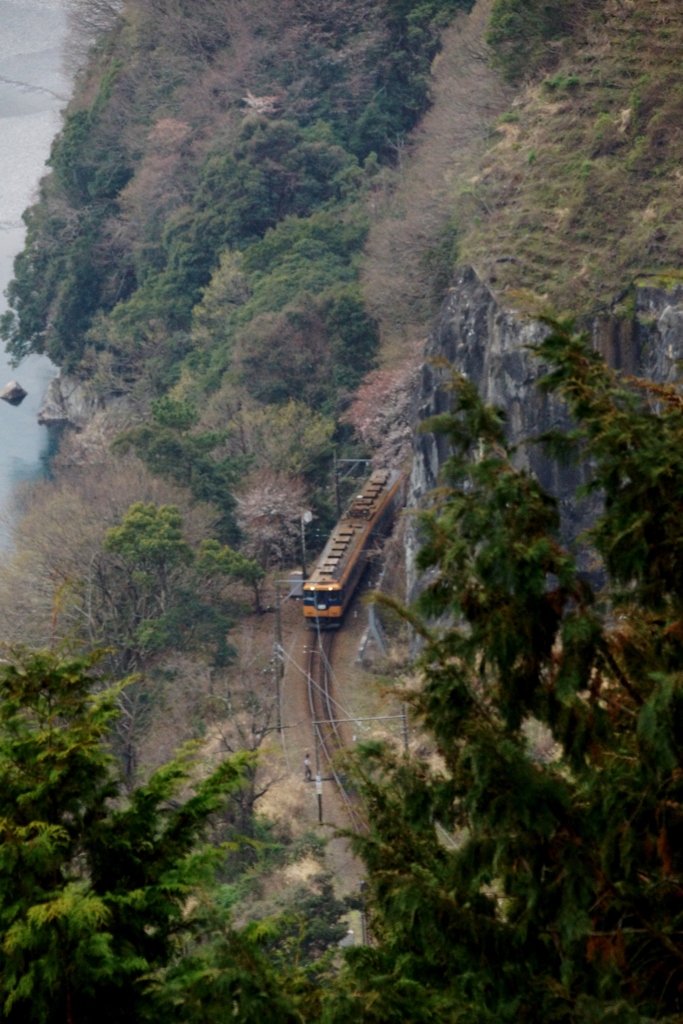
[
  {"x": 328, "y": 742},
  {"x": 328, "y": 669},
  {"x": 348, "y": 714}
]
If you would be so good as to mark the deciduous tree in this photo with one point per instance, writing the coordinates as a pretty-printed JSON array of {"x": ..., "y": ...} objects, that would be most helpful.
[
  {"x": 270, "y": 512},
  {"x": 382, "y": 413}
]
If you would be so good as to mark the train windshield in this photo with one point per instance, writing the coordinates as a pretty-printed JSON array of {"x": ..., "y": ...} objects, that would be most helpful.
[{"x": 321, "y": 600}]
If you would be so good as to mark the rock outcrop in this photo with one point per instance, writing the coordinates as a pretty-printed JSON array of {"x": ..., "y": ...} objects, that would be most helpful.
[
  {"x": 488, "y": 343},
  {"x": 13, "y": 393},
  {"x": 658, "y": 330},
  {"x": 97, "y": 420},
  {"x": 67, "y": 400}
]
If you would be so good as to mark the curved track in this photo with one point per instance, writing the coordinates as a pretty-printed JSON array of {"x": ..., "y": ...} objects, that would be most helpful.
[{"x": 324, "y": 715}]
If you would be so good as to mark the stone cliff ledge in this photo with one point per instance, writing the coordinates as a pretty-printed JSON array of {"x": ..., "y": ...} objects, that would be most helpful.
[
  {"x": 67, "y": 400},
  {"x": 487, "y": 342}
]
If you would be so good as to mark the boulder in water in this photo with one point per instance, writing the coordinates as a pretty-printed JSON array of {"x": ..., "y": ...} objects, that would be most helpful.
[{"x": 13, "y": 393}]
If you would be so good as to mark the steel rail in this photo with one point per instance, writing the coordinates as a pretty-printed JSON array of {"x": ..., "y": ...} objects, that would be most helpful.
[{"x": 328, "y": 737}]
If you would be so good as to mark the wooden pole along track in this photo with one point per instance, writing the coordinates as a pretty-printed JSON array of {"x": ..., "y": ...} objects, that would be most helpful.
[{"x": 327, "y": 737}]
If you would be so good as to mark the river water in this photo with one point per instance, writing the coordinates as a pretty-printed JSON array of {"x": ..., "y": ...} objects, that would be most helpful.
[{"x": 33, "y": 89}]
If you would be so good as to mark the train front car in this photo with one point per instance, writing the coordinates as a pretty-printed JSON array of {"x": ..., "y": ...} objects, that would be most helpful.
[{"x": 330, "y": 587}]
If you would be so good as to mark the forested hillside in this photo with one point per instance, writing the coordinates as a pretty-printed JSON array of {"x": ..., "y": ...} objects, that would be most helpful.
[
  {"x": 194, "y": 259},
  {"x": 207, "y": 194},
  {"x": 250, "y": 219}
]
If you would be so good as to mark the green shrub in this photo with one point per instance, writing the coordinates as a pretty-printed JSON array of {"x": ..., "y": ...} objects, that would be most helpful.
[
  {"x": 169, "y": 448},
  {"x": 569, "y": 82},
  {"x": 519, "y": 31},
  {"x": 315, "y": 348}
]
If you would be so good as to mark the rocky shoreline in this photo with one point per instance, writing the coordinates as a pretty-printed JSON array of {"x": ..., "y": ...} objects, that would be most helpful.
[{"x": 69, "y": 401}]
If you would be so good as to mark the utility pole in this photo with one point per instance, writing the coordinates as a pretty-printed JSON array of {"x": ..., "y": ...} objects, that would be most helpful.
[
  {"x": 336, "y": 487},
  {"x": 306, "y": 518},
  {"x": 279, "y": 661},
  {"x": 356, "y": 721},
  {"x": 319, "y": 792},
  {"x": 363, "y": 916},
  {"x": 404, "y": 727},
  {"x": 318, "y": 776}
]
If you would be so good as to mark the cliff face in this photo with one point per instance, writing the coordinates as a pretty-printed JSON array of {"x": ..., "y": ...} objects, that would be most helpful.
[
  {"x": 67, "y": 400},
  {"x": 658, "y": 330},
  {"x": 488, "y": 343}
]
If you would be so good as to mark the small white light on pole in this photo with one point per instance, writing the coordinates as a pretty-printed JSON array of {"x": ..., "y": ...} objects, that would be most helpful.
[{"x": 306, "y": 518}]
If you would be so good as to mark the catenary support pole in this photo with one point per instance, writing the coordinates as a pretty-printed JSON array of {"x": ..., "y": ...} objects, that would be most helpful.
[
  {"x": 337, "y": 498},
  {"x": 279, "y": 660}
]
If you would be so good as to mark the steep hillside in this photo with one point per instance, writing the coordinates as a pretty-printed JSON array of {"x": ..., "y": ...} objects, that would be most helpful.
[
  {"x": 413, "y": 240},
  {"x": 196, "y": 130},
  {"x": 193, "y": 266},
  {"x": 550, "y": 160},
  {"x": 251, "y": 208},
  {"x": 579, "y": 192},
  {"x": 253, "y": 215}
]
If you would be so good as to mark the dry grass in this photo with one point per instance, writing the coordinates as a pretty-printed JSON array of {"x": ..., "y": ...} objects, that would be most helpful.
[
  {"x": 408, "y": 242},
  {"x": 580, "y": 191}
]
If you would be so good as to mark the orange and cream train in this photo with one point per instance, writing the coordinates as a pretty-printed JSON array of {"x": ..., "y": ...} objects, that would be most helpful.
[{"x": 336, "y": 574}]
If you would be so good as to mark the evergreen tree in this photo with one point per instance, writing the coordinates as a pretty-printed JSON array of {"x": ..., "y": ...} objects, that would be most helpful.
[
  {"x": 536, "y": 875},
  {"x": 169, "y": 448},
  {"x": 158, "y": 593},
  {"x": 532, "y": 873},
  {"x": 95, "y": 891}
]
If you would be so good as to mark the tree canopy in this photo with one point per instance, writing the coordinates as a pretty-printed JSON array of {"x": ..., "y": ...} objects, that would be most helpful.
[
  {"x": 535, "y": 874},
  {"x": 94, "y": 890},
  {"x": 528, "y": 871}
]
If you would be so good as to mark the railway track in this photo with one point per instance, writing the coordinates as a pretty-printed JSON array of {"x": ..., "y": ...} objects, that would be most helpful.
[{"x": 324, "y": 714}]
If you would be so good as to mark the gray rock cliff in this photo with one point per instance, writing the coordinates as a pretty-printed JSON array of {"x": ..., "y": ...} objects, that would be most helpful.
[
  {"x": 69, "y": 400},
  {"x": 488, "y": 343}
]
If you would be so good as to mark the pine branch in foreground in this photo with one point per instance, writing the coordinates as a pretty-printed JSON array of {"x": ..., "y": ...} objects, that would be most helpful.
[{"x": 536, "y": 875}]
